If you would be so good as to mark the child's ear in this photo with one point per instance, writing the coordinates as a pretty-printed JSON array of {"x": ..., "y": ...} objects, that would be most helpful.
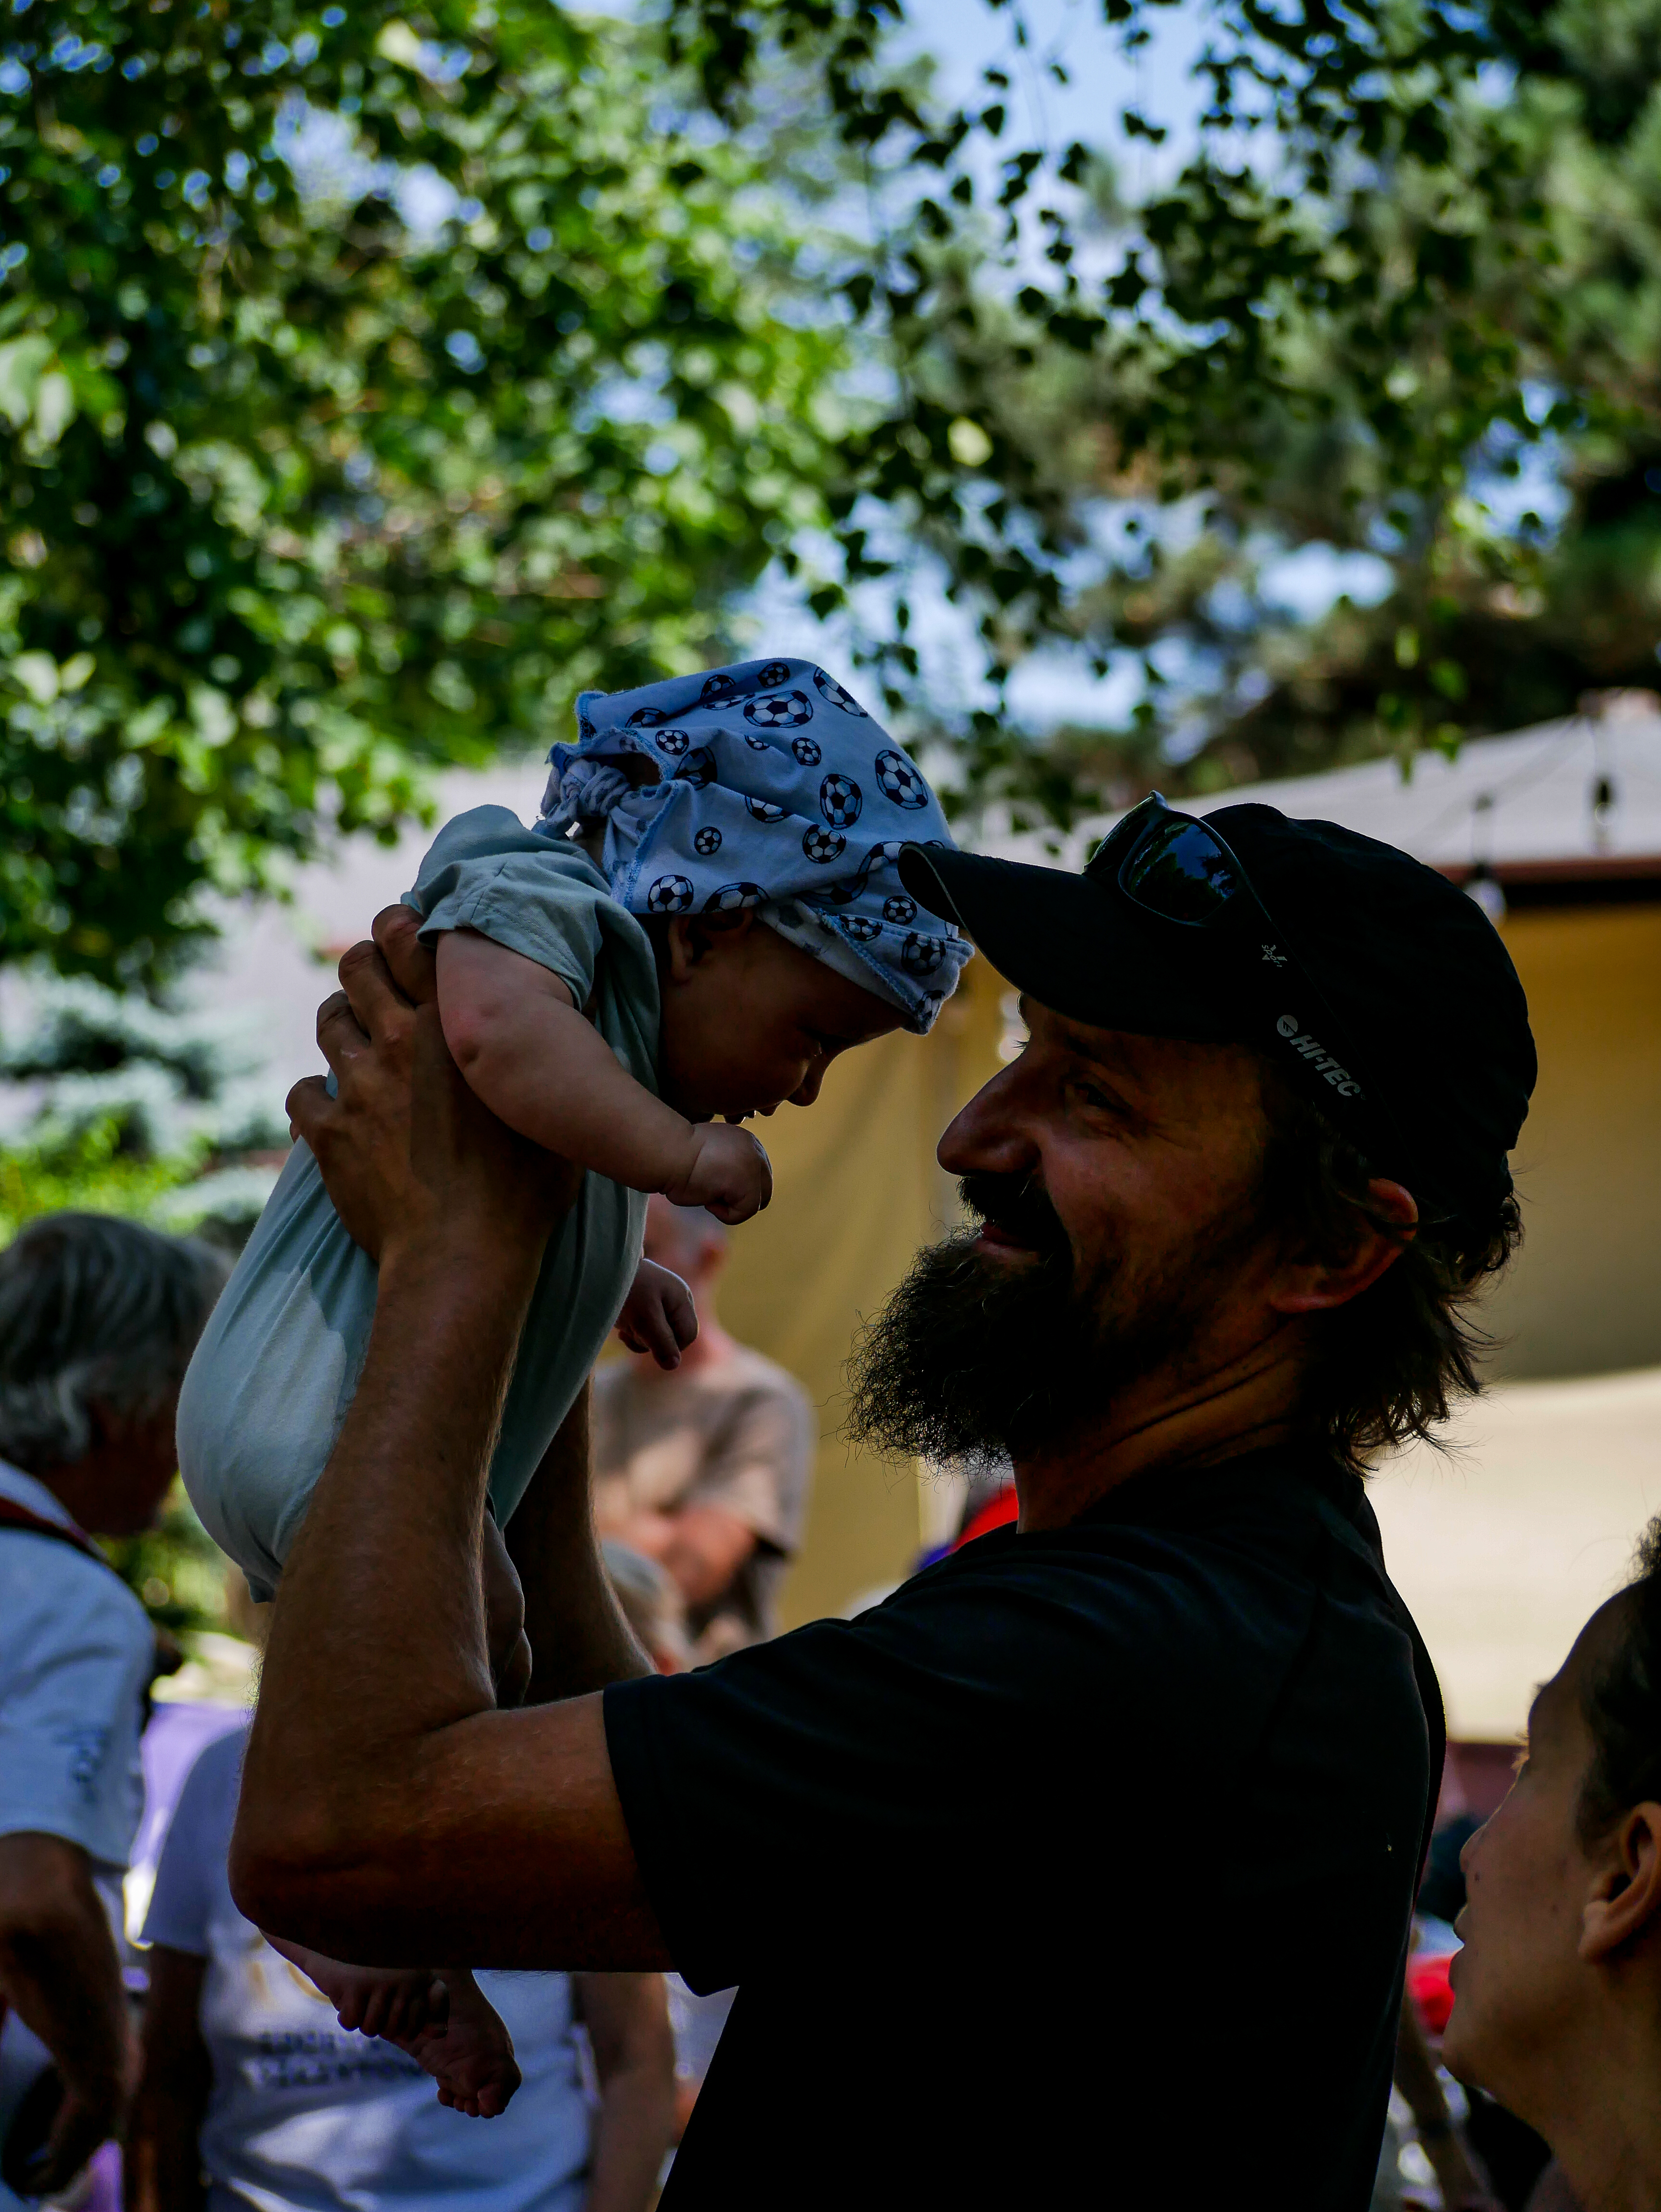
[{"x": 694, "y": 939}]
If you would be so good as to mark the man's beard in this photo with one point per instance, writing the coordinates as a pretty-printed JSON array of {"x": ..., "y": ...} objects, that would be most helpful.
[{"x": 974, "y": 1357}]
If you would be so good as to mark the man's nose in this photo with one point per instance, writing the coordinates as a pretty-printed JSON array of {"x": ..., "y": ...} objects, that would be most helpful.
[{"x": 988, "y": 1137}]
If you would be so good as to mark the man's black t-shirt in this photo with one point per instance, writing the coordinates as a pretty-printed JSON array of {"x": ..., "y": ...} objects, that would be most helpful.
[{"x": 1080, "y": 1869}]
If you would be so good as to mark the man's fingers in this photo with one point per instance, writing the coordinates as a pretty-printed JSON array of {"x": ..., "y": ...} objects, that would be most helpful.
[
  {"x": 412, "y": 965},
  {"x": 381, "y": 1008},
  {"x": 306, "y": 1106},
  {"x": 340, "y": 1034}
]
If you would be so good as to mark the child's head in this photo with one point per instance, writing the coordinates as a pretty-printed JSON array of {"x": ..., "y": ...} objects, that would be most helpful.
[
  {"x": 753, "y": 818},
  {"x": 750, "y": 1020}
]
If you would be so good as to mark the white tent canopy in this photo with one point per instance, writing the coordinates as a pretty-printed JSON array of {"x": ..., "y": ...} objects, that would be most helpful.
[
  {"x": 1503, "y": 1545},
  {"x": 1586, "y": 789}
]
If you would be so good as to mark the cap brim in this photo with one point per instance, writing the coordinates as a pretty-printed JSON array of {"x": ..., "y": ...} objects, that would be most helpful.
[{"x": 1074, "y": 946}]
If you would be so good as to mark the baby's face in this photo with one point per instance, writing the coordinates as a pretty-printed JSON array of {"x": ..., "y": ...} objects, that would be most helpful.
[{"x": 750, "y": 1020}]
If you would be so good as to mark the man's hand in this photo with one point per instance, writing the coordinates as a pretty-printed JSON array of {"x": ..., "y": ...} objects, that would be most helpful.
[{"x": 403, "y": 1147}]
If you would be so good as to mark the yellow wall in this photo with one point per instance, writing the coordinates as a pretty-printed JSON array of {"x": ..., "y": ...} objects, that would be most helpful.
[
  {"x": 856, "y": 1192},
  {"x": 1584, "y": 1297}
]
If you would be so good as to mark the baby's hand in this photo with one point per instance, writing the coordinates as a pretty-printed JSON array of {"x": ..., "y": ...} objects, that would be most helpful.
[
  {"x": 729, "y": 1175},
  {"x": 658, "y": 1315}
]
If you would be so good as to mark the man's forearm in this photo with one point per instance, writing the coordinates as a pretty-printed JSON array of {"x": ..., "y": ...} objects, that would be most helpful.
[
  {"x": 579, "y": 1638},
  {"x": 58, "y": 1970},
  {"x": 386, "y": 1562},
  {"x": 390, "y": 1813}
]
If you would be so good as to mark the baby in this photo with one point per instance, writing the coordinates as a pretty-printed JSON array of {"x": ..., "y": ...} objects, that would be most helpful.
[{"x": 706, "y": 914}]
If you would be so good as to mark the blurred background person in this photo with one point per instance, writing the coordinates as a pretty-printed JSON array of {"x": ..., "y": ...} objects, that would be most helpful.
[
  {"x": 655, "y": 1610},
  {"x": 705, "y": 1468},
  {"x": 1557, "y": 1989},
  {"x": 252, "y": 2094},
  {"x": 98, "y": 1319},
  {"x": 652, "y": 1605}
]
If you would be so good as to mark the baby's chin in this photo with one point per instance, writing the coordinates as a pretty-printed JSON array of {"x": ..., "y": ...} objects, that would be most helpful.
[{"x": 731, "y": 1108}]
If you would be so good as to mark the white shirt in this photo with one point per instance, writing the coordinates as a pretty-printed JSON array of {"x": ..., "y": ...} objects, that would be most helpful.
[
  {"x": 76, "y": 1653},
  {"x": 307, "y": 2117}
]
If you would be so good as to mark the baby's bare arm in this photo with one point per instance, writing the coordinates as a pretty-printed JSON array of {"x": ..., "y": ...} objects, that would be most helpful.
[{"x": 542, "y": 1068}]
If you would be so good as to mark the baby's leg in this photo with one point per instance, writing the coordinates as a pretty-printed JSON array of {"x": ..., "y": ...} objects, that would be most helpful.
[
  {"x": 396, "y": 2002},
  {"x": 444, "y": 2020},
  {"x": 469, "y": 2054}
]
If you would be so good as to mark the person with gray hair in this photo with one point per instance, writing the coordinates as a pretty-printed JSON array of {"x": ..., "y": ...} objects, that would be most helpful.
[{"x": 98, "y": 1319}]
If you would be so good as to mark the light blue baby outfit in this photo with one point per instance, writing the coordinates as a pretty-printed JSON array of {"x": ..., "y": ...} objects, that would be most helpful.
[
  {"x": 775, "y": 790},
  {"x": 278, "y": 1362}
]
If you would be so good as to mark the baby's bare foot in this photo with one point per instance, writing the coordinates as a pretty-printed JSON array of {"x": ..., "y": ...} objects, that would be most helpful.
[{"x": 470, "y": 2055}]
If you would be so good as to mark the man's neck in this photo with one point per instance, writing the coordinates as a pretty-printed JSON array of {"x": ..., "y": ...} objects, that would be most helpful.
[{"x": 1168, "y": 1421}]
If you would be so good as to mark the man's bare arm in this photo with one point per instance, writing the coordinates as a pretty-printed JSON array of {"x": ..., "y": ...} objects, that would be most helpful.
[
  {"x": 389, "y": 1813},
  {"x": 59, "y": 1973}
]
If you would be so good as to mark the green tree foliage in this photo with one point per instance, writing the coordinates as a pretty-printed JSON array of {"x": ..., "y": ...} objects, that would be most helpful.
[
  {"x": 138, "y": 1109},
  {"x": 301, "y": 493},
  {"x": 1492, "y": 616}
]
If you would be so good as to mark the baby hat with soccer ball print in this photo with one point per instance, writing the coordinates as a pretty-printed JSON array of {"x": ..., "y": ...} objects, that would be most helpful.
[{"x": 765, "y": 785}]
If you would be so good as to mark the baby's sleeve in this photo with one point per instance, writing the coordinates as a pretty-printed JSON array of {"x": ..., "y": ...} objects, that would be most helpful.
[{"x": 540, "y": 896}]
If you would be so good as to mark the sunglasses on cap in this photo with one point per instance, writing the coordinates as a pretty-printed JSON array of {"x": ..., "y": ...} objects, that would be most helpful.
[{"x": 1175, "y": 868}]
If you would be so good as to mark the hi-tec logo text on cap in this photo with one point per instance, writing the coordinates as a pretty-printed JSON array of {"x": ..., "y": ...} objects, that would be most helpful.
[{"x": 1319, "y": 1058}]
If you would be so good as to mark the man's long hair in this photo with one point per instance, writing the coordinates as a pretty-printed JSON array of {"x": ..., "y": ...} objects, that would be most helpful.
[{"x": 1388, "y": 1366}]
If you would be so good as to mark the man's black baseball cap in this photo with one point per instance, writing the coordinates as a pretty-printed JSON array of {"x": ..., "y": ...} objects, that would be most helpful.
[{"x": 1381, "y": 988}]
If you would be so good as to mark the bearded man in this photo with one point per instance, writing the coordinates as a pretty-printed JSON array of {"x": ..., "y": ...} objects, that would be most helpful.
[{"x": 1230, "y": 1204}]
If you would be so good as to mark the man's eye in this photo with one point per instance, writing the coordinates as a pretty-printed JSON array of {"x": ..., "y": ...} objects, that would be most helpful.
[{"x": 1092, "y": 1096}]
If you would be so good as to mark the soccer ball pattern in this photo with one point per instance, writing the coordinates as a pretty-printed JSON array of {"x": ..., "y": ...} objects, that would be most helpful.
[
  {"x": 840, "y": 801},
  {"x": 900, "y": 780},
  {"x": 830, "y": 689},
  {"x": 921, "y": 956},
  {"x": 696, "y": 834},
  {"x": 778, "y": 710},
  {"x": 732, "y": 898}
]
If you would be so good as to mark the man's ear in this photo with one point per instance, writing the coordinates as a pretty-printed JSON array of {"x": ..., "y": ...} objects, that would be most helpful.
[
  {"x": 1316, "y": 1285},
  {"x": 692, "y": 940},
  {"x": 1626, "y": 1897}
]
